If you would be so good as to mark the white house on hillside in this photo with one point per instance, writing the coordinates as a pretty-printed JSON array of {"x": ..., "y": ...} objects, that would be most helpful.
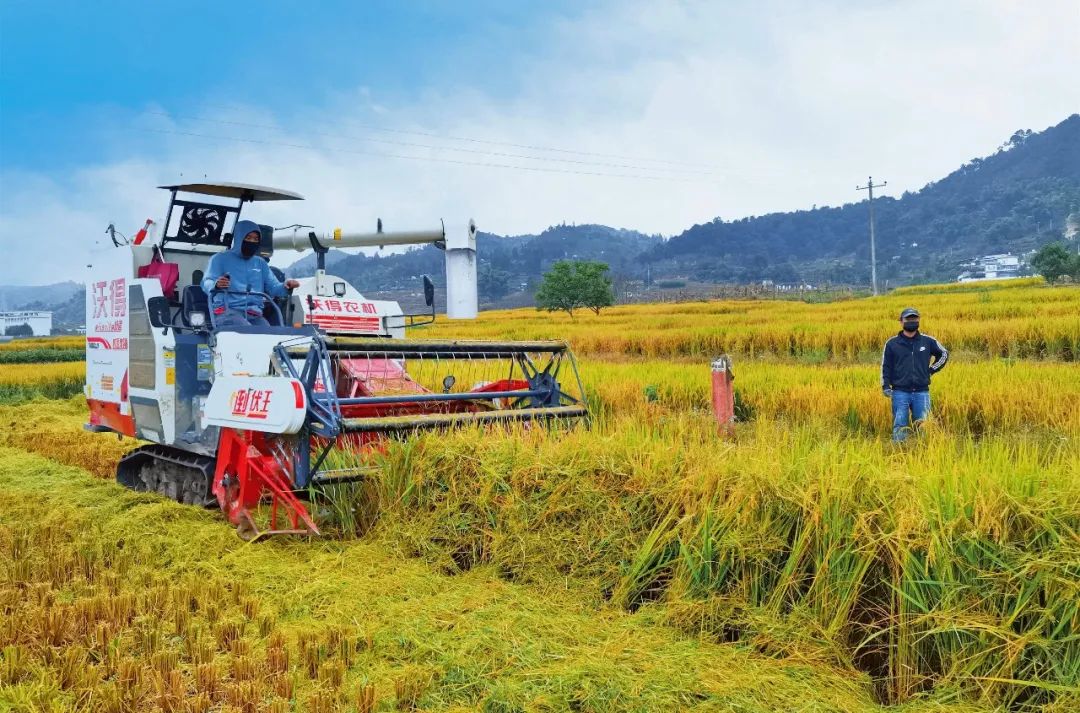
[{"x": 992, "y": 267}]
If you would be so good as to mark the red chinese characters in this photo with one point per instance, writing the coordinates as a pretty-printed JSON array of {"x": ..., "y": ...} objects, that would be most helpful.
[
  {"x": 346, "y": 316},
  {"x": 110, "y": 300},
  {"x": 343, "y": 306},
  {"x": 101, "y": 299},
  {"x": 119, "y": 297},
  {"x": 251, "y": 403}
]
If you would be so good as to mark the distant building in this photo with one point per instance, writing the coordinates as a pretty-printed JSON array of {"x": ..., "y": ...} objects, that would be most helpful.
[
  {"x": 992, "y": 267},
  {"x": 40, "y": 322}
]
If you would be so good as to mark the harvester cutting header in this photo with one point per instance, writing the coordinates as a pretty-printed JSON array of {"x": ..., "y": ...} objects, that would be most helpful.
[{"x": 244, "y": 383}]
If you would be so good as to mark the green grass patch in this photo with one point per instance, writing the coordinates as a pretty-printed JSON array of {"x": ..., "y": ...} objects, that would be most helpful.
[{"x": 41, "y": 355}]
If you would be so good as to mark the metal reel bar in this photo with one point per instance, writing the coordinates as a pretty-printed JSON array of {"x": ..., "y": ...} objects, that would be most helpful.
[
  {"x": 376, "y": 346},
  {"x": 418, "y": 422}
]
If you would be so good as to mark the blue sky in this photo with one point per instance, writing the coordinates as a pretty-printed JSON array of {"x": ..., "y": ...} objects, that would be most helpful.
[
  {"x": 67, "y": 64},
  {"x": 636, "y": 114}
]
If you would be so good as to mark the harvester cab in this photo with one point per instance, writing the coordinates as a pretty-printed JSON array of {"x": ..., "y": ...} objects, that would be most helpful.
[{"x": 252, "y": 415}]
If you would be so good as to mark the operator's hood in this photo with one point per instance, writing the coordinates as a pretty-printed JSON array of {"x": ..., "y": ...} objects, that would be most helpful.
[{"x": 242, "y": 228}]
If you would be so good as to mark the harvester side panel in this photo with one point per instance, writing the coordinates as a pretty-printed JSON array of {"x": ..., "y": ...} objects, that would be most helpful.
[{"x": 109, "y": 272}]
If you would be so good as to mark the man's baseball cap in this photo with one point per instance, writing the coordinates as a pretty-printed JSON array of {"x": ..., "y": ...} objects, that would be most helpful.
[{"x": 909, "y": 312}]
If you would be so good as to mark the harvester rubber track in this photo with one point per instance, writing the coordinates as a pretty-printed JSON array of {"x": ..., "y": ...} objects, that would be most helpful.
[{"x": 176, "y": 474}]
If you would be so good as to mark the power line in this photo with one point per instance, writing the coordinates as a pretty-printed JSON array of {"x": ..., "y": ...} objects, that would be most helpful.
[
  {"x": 539, "y": 169},
  {"x": 530, "y": 147},
  {"x": 489, "y": 142},
  {"x": 410, "y": 144},
  {"x": 873, "y": 255}
]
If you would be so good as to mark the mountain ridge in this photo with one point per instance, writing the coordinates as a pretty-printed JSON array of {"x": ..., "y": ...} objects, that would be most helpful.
[{"x": 1013, "y": 200}]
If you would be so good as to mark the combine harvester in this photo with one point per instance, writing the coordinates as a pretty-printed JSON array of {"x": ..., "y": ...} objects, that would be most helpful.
[{"x": 246, "y": 416}]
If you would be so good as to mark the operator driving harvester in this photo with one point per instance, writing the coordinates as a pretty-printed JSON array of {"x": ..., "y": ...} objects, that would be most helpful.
[{"x": 243, "y": 383}]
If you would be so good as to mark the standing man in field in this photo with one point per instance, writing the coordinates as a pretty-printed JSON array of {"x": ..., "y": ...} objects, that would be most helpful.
[{"x": 907, "y": 363}]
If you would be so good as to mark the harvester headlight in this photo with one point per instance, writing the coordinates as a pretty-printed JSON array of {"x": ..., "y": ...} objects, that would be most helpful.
[{"x": 198, "y": 319}]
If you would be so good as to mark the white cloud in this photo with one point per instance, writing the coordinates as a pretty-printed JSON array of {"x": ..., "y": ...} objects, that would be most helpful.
[{"x": 794, "y": 107}]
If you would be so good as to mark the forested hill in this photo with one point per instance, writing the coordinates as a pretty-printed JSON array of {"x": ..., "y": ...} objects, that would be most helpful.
[
  {"x": 1013, "y": 200},
  {"x": 17, "y": 297}
]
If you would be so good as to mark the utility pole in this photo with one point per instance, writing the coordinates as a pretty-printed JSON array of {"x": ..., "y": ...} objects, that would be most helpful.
[{"x": 873, "y": 250}]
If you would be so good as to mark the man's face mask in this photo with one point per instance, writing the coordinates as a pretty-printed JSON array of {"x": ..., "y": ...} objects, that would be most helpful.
[
  {"x": 249, "y": 248},
  {"x": 911, "y": 325}
]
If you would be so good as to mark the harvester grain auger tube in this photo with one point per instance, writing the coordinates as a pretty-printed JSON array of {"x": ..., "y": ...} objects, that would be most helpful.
[{"x": 458, "y": 245}]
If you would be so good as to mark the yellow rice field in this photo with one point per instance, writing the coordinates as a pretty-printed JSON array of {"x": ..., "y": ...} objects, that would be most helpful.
[
  {"x": 37, "y": 374},
  {"x": 1029, "y": 320},
  {"x": 43, "y": 343},
  {"x": 644, "y": 563}
]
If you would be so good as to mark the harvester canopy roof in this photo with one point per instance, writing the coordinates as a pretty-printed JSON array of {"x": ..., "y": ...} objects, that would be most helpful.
[{"x": 241, "y": 191}]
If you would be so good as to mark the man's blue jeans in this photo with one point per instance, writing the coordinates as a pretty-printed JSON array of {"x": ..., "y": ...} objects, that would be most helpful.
[
  {"x": 907, "y": 409},
  {"x": 239, "y": 318}
]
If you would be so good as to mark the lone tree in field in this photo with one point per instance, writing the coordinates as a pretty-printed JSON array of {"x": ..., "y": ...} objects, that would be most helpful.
[
  {"x": 19, "y": 330},
  {"x": 575, "y": 284},
  {"x": 1054, "y": 261}
]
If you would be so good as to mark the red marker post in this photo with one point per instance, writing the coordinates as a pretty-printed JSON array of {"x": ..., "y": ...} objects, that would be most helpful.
[
  {"x": 723, "y": 394},
  {"x": 141, "y": 235}
]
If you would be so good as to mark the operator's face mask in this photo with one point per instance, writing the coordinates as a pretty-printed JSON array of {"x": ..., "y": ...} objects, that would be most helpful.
[
  {"x": 248, "y": 248},
  {"x": 911, "y": 325}
]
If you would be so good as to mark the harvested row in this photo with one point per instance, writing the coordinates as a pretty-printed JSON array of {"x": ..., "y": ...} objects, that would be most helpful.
[
  {"x": 54, "y": 429},
  {"x": 113, "y": 601}
]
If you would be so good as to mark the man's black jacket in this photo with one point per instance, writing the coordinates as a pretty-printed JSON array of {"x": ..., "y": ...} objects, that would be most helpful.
[{"x": 905, "y": 362}]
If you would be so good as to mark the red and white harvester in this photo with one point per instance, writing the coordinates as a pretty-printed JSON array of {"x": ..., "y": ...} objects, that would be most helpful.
[{"x": 245, "y": 417}]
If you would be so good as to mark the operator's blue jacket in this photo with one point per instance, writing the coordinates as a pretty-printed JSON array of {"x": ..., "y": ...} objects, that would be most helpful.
[
  {"x": 905, "y": 362},
  {"x": 244, "y": 272}
]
